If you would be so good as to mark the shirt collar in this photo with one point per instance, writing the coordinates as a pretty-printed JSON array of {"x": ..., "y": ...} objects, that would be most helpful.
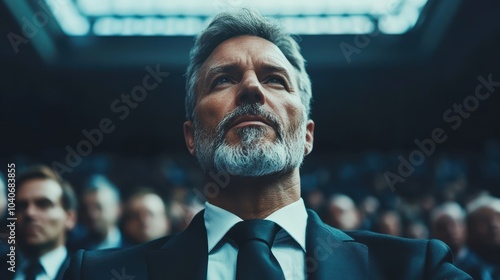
[
  {"x": 219, "y": 221},
  {"x": 52, "y": 261},
  {"x": 293, "y": 219}
]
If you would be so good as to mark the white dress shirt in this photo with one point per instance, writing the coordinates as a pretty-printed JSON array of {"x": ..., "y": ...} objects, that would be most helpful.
[
  {"x": 289, "y": 246},
  {"x": 51, "y": 262}
]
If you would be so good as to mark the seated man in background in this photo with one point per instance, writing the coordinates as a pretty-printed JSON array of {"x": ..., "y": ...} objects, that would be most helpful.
[
  {"x": 248, "y": 106},
  {"x": 4, "y": 230},
  {"x": 101, "y": 212},
  {"x": 45, "y": 212},
  {"x": 341, "y": 212},
  {"x": 145, "y": 217},
  {"x": 483, "y": 235},
  {"x": 388, "y": 222},
  {"x": 448, "y": 225}
]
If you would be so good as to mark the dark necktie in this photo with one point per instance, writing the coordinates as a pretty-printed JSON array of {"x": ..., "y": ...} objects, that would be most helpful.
[
  {"x": 34, "y": 268},
  {"x": 255, "y": 259}
]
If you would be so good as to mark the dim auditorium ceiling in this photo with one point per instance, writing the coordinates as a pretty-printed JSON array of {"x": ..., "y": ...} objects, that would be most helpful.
[{"x": 384, "y": 72}]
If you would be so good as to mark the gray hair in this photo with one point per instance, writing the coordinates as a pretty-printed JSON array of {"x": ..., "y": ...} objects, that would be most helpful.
[
  {"x": 452, "y": 209},
  {"x": 243, "y": 21}
]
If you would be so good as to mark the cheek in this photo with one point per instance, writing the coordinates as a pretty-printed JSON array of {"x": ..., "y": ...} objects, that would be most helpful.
[
  {"x": 294, "y": 113},
  {"x": 56, "y": 220},
  {"x": 212, "y": 109}
]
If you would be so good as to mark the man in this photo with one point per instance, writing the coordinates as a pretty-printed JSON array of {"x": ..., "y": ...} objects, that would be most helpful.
[
  {"x": 4, "y": 230},
  {"x": 145, "y": 217},
  {"x": 388, "y": 222},
  {"x": 45, "y": 212},
  {"x": 101, "y": 212},
  {"x": 483, "y": 236},
  {"x": 448, "y": 225},
  {"x": 247, "y": 107},
  {"x": 341, "y": 212}
]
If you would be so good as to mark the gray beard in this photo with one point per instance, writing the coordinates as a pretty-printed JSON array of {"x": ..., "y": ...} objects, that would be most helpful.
[{"x": 254, "y": 156}]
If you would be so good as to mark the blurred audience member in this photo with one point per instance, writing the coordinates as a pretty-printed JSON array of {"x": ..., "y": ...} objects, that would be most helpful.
[
  {"x": 145, "y": 217},
  {"x": 315, "y": 199},
  {"x": 183, "y": 207},
  {"x": 483, "y": 224},
  {"x": 368, "y": 207},
  {"x": 388, "y": 222},
  {"x": 448, "y": 225},
  {"x": 416, "y": 229},
  {"x": 4, "y": 230},
  {"x": 46, "y": 210},
  {"x": 341, "y": 212},
  {"x": 101, "y": 207},
  {"x": 3, "y": 198}
]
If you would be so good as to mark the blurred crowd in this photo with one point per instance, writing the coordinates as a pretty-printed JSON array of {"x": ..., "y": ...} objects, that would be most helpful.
[{"x": 113, "y": 202}]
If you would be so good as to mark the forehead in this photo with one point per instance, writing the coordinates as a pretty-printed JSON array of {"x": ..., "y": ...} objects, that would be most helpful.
[
  {"x": 100, "y": 195},
  {"x": 40, "y": 188},
  {"x": 246, "y": 51},
  {"x": 148, "y": 201}
]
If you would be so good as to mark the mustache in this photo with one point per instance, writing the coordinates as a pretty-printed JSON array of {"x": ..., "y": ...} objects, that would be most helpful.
[{"x": 252, "y": 110}]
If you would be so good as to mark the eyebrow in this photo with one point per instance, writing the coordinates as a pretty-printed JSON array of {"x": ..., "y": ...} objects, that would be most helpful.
[{"x": 218, "y": 70}]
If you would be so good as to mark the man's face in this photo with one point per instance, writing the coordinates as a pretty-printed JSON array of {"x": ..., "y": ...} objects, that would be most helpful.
[
  {"x": 42, "y": 220},
  {"x": 101, "y": 211},
  {"x": 249, "y": 119},
  {"x": 484, "y": 226},
  {"x": 146, "y": 218},
  {"x": 450, "y": 230}
]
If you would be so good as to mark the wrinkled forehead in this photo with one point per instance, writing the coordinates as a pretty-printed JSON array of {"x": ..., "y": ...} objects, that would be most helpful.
[{"x": 247, "y": 47}]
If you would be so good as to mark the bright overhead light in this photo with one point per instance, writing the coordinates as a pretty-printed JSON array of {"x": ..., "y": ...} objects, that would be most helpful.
[{"x": 189, "y": 17}]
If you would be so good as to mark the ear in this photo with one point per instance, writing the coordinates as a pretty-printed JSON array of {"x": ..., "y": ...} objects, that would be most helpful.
[
  {"x": 189, "y": 137},
  {"x": 71, "y": 218},
  {"x": 309, "y": 137}
]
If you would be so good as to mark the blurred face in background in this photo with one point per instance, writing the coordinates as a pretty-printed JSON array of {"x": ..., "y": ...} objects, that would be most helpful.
[
  {"x": 41, "y": 218},
  {"x": 3, "y": 198},
  {"x": 101, "y": 211},
  {"x": 389, "y": 222},
  {"x": 450, "y": 230},
  {"x": 484, "y": 227},
  {"x": 146, "y": 218},
  {"x": 343, "y": 214}
]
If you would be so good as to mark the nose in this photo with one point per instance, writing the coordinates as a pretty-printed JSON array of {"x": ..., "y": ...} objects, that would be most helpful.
[
  {"x": 30, "y": 210},
  {"x": 250, "y": 90}
]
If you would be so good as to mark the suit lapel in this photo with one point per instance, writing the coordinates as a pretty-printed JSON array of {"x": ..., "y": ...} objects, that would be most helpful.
[
  {"x": 62, "y": 269},
  {"x": 184, "y": 256},
  {"x": 332, "y": 254}
]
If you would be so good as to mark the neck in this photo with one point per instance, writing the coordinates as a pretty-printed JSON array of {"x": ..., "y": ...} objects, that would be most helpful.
[{"x": 257, "y": 197}]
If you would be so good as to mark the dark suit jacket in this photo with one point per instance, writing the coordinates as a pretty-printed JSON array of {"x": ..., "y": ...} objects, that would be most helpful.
[
  {"x": 7, "y": 275},
  {"x": 331, "y": 254}
]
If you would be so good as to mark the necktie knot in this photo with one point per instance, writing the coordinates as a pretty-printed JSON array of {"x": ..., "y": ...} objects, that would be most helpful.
[
  {"x": 254, "y": 230},
  {"x": 255, "y": 259}
]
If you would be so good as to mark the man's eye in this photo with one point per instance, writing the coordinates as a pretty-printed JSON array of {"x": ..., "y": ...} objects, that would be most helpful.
[
  {"x": 276, "y": 80},
  {"x": 221, "y": 80},
  {"x": 44, "y": 203}
]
